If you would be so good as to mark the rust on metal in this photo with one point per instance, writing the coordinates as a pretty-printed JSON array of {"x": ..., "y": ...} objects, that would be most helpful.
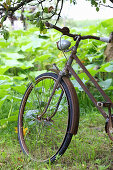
[
  {"x": 93, "y": 80},
  {"x": 75, "y": 103},
  {"x": 50, "y": 98},
  {"x": 87, "y": 91}
]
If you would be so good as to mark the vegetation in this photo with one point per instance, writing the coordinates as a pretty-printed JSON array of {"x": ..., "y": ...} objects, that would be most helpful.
[
  {"x": 35, "y": 11},
  {"x": 90, "y": 149},
  {"x": 25, "y": 55}
]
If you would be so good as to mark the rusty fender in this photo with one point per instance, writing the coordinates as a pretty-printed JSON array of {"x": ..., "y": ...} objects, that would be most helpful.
[{"x": 75, "y": 104}]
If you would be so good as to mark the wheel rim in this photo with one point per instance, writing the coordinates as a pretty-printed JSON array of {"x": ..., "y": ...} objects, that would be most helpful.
[{"x": 41, "y": 139}]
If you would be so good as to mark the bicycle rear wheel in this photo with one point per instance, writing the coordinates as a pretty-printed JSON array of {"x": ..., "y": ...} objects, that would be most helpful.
[
  {"x": 109, "y": 128},
  {"x": 45, "y": 139}
]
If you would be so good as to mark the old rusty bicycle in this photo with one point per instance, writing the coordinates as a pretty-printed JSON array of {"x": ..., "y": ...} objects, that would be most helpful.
[{"x": 49, "y": 111}]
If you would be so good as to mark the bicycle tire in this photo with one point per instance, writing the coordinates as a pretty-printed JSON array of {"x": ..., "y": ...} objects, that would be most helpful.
[{"x": 24, "y": 126}]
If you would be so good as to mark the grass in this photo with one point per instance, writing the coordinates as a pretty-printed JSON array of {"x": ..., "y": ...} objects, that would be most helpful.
[{"x": 90, "y": 148}]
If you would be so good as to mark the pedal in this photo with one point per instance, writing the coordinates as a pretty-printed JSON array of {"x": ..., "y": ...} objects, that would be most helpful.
[{"x": 103, "y": 104}]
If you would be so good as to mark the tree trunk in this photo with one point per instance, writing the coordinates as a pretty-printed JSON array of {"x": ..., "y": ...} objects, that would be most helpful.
[{"x": 109, "y": 50}]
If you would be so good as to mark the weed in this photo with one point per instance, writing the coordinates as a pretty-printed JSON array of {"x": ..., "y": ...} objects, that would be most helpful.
[{"x": 89, "y": 149}]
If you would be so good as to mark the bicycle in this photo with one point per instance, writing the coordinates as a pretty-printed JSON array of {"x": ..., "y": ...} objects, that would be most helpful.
[{"x": 46, "y": 102}]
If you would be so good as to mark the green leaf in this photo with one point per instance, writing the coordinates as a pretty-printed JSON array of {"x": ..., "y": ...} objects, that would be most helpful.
[
  {"x": 26, "y": 65},
  {"x": 10, "y": 119},
  {"x": 42, "y": 57},
  {"x": 13, "y": 55},
  {"x": 27, "y": 47},
  {"x": 5, "y": 34},
  {"x": 2, "y": 81},
  {"x": 97, "y": 9},
  {"x": 77, "y": 85},
  {"x": 46, "y": 10},
  {"x": 5, "y": 96},
  {"x": 8, "y": 2},
  {"x": 5, "y": 78},
  {"x": 105, "y": 84},
  {"x": 103, "y": 67},
  {"x": 5, "y": 86},
  {"x": 3, "y": 92},
  {"x": 109, "y": 68},
  {"x": 19, "y": 88},
  {"x": 3, "y": 69},
  {"x": 36, "y": 73}
]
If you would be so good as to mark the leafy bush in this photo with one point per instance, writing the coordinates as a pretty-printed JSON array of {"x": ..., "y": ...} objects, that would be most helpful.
[{"x": 26, "y": 54}]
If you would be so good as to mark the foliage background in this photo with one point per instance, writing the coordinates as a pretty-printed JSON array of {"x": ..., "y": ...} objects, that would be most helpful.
[
  {"x": 37, "y": 12},
  {"x": 27, "y": 54}
]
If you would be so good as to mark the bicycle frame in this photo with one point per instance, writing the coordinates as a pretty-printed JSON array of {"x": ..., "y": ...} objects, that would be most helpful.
[
  {"x": 66, "y": 73},
  {"x": 72, "y": 57},
  {"x": 68, "y": 69}
]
